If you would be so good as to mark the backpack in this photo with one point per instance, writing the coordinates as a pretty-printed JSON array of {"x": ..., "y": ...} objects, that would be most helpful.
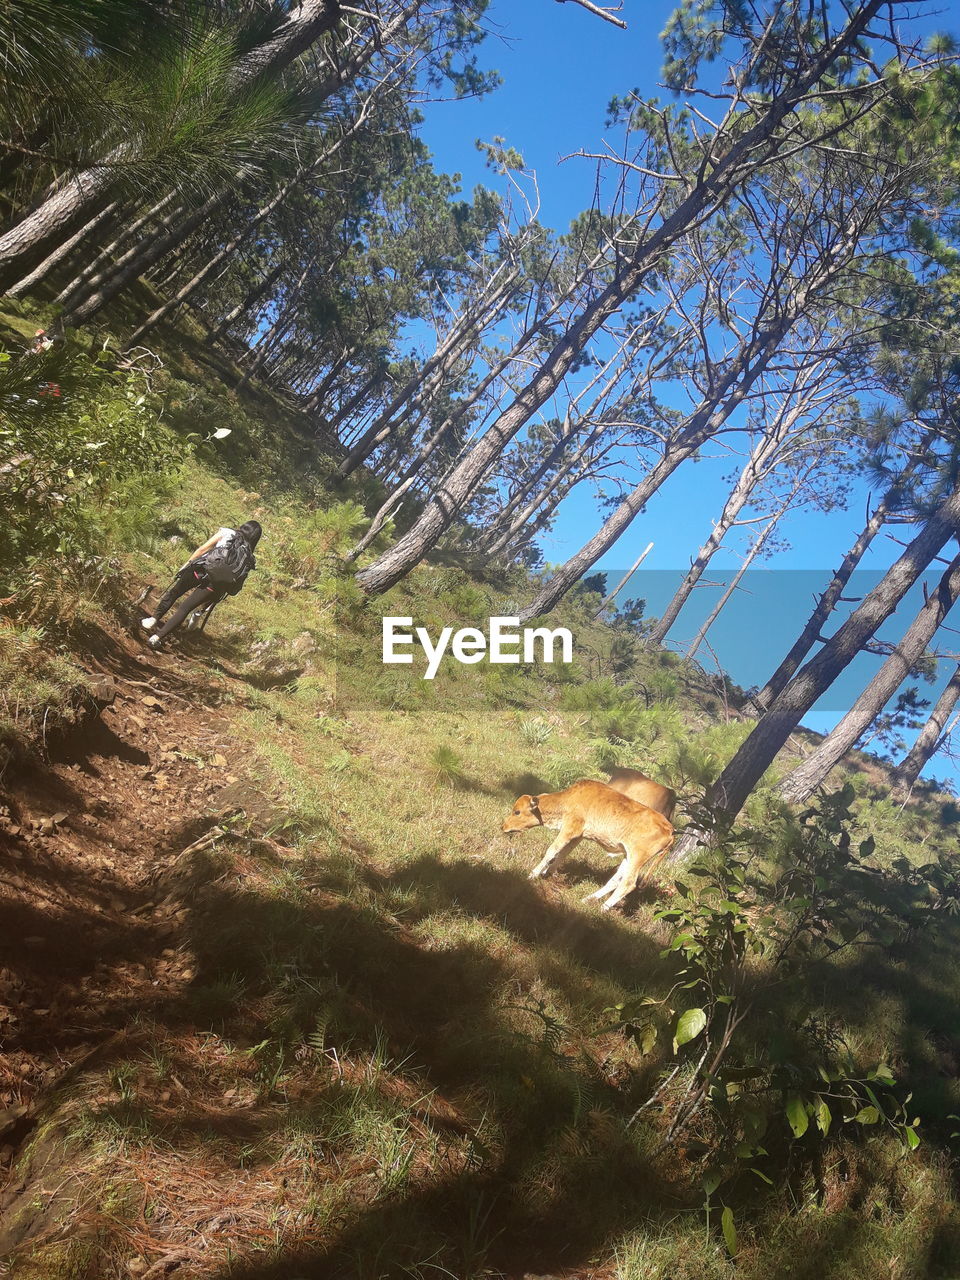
[{"x": 227, "y": 567}]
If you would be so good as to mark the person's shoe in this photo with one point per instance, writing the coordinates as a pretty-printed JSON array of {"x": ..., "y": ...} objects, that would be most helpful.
[
  {"x": 154, "y": 642},
  {"x": 148, "y": 623}
]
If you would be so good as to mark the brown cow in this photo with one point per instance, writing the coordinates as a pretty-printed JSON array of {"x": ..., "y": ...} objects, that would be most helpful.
[
  {"x": 594, "y": 811},
  {"x": 636, "y": 785}
]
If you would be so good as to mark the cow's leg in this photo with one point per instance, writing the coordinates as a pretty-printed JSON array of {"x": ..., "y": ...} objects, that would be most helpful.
[
  {"x": 564, "y": 842},
  {"x": 628, "y": 876},
  {"x": 637, "y": 866},
  {"x": 611, "y": 884}
]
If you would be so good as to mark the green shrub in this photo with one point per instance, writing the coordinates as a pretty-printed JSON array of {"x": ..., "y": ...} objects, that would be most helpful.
[
  {"x": 446, "y": 767},
  {"x": 534, "y": 731},
  {"x": 765, "y": 1080},
  {"x": 83, "y": 472}
]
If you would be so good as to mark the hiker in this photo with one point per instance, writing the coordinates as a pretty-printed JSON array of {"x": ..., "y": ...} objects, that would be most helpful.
[{"x": 216, "y": 569}]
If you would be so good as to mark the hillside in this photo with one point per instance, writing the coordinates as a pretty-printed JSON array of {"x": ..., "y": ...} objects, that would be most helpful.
[{"x": 279, "y": 999}]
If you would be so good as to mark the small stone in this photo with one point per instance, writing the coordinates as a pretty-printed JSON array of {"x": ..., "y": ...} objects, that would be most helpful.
[{"x": 103, "y": 689}]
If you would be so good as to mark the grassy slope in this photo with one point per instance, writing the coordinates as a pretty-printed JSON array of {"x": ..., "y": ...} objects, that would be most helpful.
[{"x": 390, "y": 1056}]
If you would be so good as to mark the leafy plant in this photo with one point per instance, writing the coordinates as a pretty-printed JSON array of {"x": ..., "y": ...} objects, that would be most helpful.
[
  {"x": 764, "y": 1079},
  {"x": 446, "y": 766},
  {"x": 79, "y": 440},
  {"x": 534, "y": 731}
]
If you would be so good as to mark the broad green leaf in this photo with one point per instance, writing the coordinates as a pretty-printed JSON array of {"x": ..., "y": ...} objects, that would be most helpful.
[
  {"x": 710, "y": 1183},
  {"x": 823, "y": 1117},
  {"x": 797, "y": 1114},
  {"x": 689, "y": 1026},
  {"x": 648, "y": 1038},
  {"x": 729, "y": 1231},
  {"x": 912, "y": 1137},
  {"x": 869, "y": 1115},
  {"x": 873, "y": 1097}
]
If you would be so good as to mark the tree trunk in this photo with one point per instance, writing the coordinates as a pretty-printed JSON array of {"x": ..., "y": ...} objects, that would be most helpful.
[
  {"x": 305, "y": 24},
  {"x": 756, "y": 469},
  {"x": 734, "y": 506},
  {"x": 278, "y": 330},
  {"x": 460, "y": 411},
  {"x": 624, "y": 580},
  {"x": 805, "y": 779},
  {"x": 757, "y": 546},
  {"x": 757, "y": 753},
  {"x": 505, "y": 516},
  {"x": 701, "y": 425},
  {"x": 448, "y": 351},
  {"x": 316, "y": 392},
  {"x": 346, "y": 409},
  {"x": 101, "y": 260},
  {"x": 931, "y": 737},
  {"x": 706, "y": 192},
  {"x": 62, "y": 251},
  {"x": 253, "y": 297},
  {"x": 102, "y": 287},
  {"x": 54, "y": 218},
  {"x": 829, "y": 600},
  {"x": 574, "y": 462}
]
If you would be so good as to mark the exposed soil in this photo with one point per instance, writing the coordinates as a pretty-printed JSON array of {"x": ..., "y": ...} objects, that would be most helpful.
[{"x": 88, "y": 936}]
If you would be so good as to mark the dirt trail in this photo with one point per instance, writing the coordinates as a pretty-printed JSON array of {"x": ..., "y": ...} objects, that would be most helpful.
[{"x": 86, "y": 940}]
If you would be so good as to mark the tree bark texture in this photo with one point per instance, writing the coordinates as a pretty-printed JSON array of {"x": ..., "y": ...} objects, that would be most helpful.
[
  {"x": 805, "y": 779},
  {"x": 63, "y": 250},
  {"x": 729, "y": 793},
  {"x": 930, "y": 738}
]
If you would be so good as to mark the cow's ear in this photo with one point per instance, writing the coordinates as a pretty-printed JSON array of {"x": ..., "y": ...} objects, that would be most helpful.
[{"x": 535, "y": 804}]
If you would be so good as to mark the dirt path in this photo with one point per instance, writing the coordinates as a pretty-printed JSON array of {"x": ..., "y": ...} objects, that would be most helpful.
[{"x": 86, "y": 941}]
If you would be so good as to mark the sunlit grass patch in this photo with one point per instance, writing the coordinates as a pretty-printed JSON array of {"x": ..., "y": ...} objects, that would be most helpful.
[{"x": 42, "y": 692}]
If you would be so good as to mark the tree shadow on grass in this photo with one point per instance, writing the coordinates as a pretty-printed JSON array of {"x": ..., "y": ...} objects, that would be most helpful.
[
  {"x": 522, "y": 784},
  {"x": 559, "y": 1218},
  {"x": 538, "y": 1174},
  {"x": 536, "y": 913},
  {"x": 378, "y": 986}
]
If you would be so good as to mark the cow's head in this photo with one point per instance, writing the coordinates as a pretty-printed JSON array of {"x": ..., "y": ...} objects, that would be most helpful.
[{"x": 525, "y": 814}]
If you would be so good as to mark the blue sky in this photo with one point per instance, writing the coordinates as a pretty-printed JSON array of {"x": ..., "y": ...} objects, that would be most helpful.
[{"x": 560, "y": 67}]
